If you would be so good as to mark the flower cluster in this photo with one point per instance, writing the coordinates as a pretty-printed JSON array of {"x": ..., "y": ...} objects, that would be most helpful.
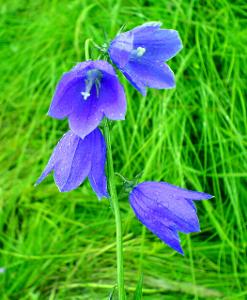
[{"x": 90, "y": 92}]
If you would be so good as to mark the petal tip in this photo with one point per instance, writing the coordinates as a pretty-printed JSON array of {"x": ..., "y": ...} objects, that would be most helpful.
[
  {"x": 122, "y": 117},
  {"x": 51, "y": 114},
  {"x": 40, "y": 179},
  {"x": 143, "y": 91},
  {"x": 178, "y": 248},
  {"x": 117, "y": 117},
  {"x": 100, "y": 197},
  {"x": 205, "y": 196},
  {"x": 63, "y": 189},
  {"x": 172, "y": 86},
  {"x": 180, "y": 251}
]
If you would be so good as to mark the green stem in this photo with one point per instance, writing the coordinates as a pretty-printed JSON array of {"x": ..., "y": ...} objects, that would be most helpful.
[
  {"x": 86, "y": 47},
  {"x": 116, "y": 209}
]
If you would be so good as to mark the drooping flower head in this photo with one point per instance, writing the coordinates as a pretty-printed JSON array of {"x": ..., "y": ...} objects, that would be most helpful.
[
  {"x": 141, "y": 54},
  {"x": 74, "y": 159},
  {"x": 166, "y": 209},
  {"x": 87, "y": 93}
]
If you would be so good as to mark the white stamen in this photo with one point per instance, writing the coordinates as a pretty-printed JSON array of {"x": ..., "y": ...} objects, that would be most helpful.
[{"x": 140, "y": 51}]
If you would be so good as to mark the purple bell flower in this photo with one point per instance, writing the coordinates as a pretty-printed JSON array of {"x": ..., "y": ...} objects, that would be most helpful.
[
  {"x": 141, "y": 54},
  {"x": 74, "y": 159},
  {"x": 87, "y": 93},
  {"x": 165, "y": 209}
]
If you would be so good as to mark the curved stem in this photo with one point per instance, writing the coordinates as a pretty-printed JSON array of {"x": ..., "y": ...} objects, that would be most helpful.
[
  {"x": 116, "y": 209},
  {"x": 86, "y": 47}
]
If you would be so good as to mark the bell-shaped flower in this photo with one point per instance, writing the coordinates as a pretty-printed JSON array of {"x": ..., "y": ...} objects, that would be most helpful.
[
  {"x": 87, "y": 93},
  {"x": 166, "y": 209},
  {"x": 74, "y": 159},
  {"x": 141, "y": 54}
]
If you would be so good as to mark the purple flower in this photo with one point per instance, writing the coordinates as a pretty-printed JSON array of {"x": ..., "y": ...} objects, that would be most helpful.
[
  {"x": 87, "y": 93},
  {"x": 165, "y": 209},
  {"x": 141, "y": 54},
  {"x": 73, "y": 159}
]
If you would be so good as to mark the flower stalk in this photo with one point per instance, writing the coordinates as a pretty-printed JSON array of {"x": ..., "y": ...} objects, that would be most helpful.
[
  {"x": 113, "y": 198},
  {"x": 86, "y": 47},
  {"x": 116, "y": 209}
]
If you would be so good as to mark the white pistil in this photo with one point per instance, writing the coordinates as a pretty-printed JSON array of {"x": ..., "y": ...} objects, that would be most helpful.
[
  {"x": 93, "y": 78},
  {"x": 85, "y": 95}
]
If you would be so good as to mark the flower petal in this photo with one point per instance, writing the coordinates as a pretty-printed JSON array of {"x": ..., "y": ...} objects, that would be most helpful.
[
  {"x": 68, "y": 91},
  {"x": 174, "y": 202},
  {"x": 165, "y": 209},
  {"x": 146, "y": 29},
  {"x": 160, "y": 45},
  {"x": 135, "y": 80},
  {"x": 66, "y": 97},
  {"x": 182, "y": 192},
  {"x": 120, "y": 49},
  {"x": 160, "y": 225},
  {"x": 59, "y": 153},
  {"x": 103, "y": 66},
  {"x": 112, "y": 98},
  {"x": 168, "y": 236},
  {"x": 97, "y": 176},
  {"x": 180, "y": 215},
  {"x": 146, "y": 74},
  {"x": 86, "y": 115},
  {"x": 71, "y": 162}
]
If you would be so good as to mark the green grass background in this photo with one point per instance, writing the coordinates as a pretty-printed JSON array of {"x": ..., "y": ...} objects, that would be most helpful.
[{"x": 62, "y": 246}]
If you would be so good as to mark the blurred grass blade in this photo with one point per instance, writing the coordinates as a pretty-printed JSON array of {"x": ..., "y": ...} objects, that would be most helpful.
[
  {"x": 111, "y": 296},
  {"x": 138, "y": 291}
]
